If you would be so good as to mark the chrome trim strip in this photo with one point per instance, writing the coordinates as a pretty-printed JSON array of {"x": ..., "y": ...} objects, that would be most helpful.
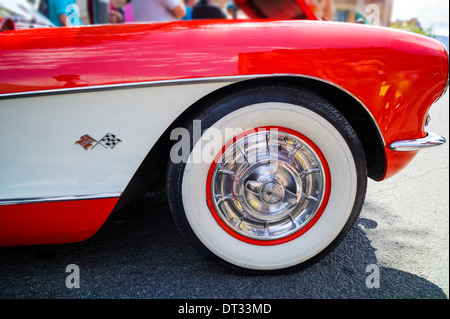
[
  {"x": 233, "y": 78},
  {"x": 431, "y": 140},
  {"x": 132, "y": 85},
  {"x": 36, "y": 200}
]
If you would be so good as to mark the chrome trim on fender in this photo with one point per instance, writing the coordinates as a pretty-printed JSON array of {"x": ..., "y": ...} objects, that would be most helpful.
[
  {"x": 37, "y": 200},
  {"x": 157, "y": 83},
  {"x": 431, "y": 140},
  {"x": 131, "y": 85}
]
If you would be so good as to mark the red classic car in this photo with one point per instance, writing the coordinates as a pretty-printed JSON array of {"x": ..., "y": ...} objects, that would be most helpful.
[{"x": 264, "y": 132}]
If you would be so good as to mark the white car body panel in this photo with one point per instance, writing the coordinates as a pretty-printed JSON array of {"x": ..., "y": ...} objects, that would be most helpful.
[{"x": 40, "y": 164}]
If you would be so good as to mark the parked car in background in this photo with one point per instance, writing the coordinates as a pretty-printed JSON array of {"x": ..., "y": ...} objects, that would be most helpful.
[{"x": 22, "y": 14}]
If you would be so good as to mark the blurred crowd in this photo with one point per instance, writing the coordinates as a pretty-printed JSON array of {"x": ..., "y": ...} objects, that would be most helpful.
[{"x": 123, "y": 11}]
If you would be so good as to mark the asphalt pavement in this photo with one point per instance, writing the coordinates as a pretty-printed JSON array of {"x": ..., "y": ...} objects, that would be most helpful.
[{"x": 398, "y": 249}]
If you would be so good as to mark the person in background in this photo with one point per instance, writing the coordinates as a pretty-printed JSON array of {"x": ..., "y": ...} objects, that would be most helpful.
[
  {"x": 115, "y": 16},
  {"x": 61, "y": 13},
  {"x": 189, "y": 4},
  {"x": 324, "y": 9},
  {"x": 231, "y": 11},
  {"x": 128, "y": 15},
  {"x": 205, "y": 10},
  {"x": 117, "y": 10},
  {"x": 158, "y": 10}
]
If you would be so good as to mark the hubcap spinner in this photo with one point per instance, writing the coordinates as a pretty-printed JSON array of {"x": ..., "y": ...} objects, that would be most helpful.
[{"x": 271, "y": 193}]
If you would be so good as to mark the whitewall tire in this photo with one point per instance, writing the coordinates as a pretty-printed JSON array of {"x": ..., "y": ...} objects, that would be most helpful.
[{"x": 274, "y": 183}]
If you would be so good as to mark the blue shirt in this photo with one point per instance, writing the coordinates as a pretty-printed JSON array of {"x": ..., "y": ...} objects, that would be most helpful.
[
  {"x": 188, "y": 15},
  {"x": 66, "y": 7}
]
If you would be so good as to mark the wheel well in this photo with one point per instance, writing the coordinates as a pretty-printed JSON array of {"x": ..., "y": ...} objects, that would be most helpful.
[
  {"x": 152, "y": 172},
  {"x": 357, "y": 115}
]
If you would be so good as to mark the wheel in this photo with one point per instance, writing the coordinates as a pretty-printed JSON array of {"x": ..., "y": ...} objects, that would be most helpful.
[{"x": 273, "y": 182}]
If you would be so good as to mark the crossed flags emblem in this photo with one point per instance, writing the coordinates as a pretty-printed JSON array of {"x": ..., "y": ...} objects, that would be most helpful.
[{"x": 107, "y": 141}]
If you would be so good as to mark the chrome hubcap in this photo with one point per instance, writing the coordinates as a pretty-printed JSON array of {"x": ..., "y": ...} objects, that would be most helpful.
[{"x": 268, "y": 185}]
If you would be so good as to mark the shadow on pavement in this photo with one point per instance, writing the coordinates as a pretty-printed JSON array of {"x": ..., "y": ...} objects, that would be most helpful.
[{"x": 142, "y": 255}]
